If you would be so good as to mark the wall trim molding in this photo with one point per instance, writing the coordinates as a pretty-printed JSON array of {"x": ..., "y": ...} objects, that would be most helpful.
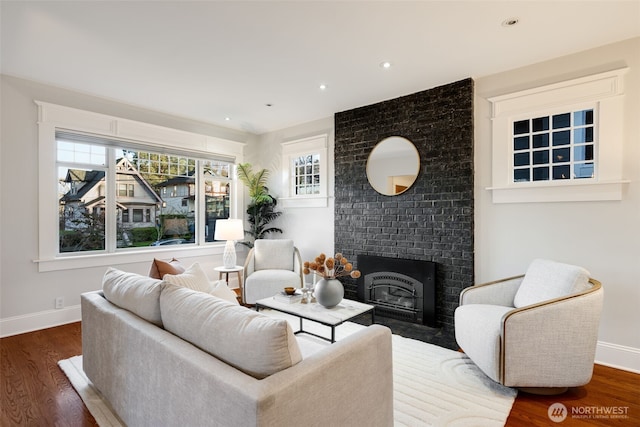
[
  {"x": 618, "y": 356},
  {"x": 41, "y": 320}
]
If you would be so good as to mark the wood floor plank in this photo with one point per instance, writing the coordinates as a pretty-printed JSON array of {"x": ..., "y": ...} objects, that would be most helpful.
[{"x": 35, "y": 392}]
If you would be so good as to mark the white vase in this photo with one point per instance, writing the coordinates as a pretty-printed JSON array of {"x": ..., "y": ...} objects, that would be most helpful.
[{"x": 329, "y": 292}]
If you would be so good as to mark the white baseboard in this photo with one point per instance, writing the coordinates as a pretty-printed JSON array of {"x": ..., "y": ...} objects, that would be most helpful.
[
  {"x": 41, "y": 320},
  {"x": 618, "y": 356}
]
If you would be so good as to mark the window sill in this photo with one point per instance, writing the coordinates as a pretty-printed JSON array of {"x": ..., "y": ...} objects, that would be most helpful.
[
  {"x": 124, "y": 257},
  {"x": 303, "y": 202},
  {"x": 565, "y": 192}
]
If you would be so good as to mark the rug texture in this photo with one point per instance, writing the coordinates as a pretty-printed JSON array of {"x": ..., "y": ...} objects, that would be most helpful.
[{"x": 433, "y": 386}]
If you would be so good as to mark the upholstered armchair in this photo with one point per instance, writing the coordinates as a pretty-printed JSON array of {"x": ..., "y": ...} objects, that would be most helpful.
[
  {"x": 271, "y": 265},
  {"x": 537, "y": 332}
]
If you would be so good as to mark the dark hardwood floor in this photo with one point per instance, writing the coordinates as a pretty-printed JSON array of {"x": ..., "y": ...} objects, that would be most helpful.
[{"x": 35, "y": 392}]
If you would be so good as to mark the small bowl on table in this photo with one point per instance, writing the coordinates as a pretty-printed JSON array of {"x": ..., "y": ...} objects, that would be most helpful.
[{"x": 289, "y": 290}]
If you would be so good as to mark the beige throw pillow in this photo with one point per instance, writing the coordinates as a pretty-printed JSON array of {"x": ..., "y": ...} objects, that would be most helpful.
[
  {"x": 193, "y": 277},
  {"x": 221, "y": 290},
  {"x": 545, "y": 280},
  {"x": 273, "y": 254}
]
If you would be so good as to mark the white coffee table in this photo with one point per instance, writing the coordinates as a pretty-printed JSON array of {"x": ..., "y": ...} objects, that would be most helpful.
[{"x": 331, "y": 317}]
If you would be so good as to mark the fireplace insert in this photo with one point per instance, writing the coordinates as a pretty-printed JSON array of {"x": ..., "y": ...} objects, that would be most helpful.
[{"x": 399, "y": 288}]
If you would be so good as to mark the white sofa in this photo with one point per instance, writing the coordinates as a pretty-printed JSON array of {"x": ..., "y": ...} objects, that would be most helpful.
[{"x": 150, "y": 352}]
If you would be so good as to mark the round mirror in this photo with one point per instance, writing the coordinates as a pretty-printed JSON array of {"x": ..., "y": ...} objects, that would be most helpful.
[{"x": 393, "y": 166}]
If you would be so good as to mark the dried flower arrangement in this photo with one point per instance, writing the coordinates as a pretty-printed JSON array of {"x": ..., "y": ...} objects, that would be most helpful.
[{"x": 331, "y": 268}]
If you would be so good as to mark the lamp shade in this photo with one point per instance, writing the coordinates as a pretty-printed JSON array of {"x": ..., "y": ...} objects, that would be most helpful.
[{"x": 229, "y": 229}]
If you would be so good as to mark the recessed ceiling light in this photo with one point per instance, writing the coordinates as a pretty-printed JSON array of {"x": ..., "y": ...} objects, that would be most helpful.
[
  {"x": 323, "y": 87},
  {"x": 386, "y": 65},
  {"x": 226, "y": 119},
  {"x": 510, "y": 22}
]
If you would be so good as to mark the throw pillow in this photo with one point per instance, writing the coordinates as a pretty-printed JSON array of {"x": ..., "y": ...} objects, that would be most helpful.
[
  {"x": 545, "y": 280},
  {"x": 273, "y": 254},
  {"x": 133, "y": 292},
  {"x": 193, "y": 277},
  {"x": 159, "y": 268},
  {"x": 256, "y": 344},
  {"x": 221, "y": 290}
]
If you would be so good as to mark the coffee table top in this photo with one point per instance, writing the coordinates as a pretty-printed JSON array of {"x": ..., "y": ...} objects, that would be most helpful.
[{"x": 347, "y": 309}]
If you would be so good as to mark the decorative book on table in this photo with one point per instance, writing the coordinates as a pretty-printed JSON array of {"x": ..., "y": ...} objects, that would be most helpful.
[{"x": 283, "y": 297}]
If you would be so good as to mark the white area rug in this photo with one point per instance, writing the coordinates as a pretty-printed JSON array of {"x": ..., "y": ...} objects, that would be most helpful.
[
  {"x": 433, "y": 386},
  {"x": 99, "y": 408}
]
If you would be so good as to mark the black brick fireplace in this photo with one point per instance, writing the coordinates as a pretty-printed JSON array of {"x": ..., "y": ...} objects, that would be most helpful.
[{"x": 432, "y": 220}]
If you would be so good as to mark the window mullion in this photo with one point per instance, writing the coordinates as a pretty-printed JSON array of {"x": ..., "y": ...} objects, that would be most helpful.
[
  {"x": 111, "y": 217},
  {"x": 201, "y": 206}
]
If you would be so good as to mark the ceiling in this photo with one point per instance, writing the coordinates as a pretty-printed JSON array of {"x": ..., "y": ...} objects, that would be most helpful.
[{"x": 258, "y": 66}]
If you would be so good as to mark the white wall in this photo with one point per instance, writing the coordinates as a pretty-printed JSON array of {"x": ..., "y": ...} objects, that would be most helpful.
[
  {"x": 310, "y": 228},
  {"x": 604, "y": 237},
  {"x": 27, "y": 296}
]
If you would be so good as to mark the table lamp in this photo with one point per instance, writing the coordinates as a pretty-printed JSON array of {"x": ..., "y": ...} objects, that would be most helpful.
[{"x": 229, "y": 230}]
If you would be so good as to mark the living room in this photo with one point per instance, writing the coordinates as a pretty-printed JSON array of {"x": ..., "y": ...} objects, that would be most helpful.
[{"x": 600, "y": 235}]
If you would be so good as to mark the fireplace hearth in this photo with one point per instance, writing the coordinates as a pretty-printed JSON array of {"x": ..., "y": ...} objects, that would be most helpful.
[{"x": 402, "y": 289}]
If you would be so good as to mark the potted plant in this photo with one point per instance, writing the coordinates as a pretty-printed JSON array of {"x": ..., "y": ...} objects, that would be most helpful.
[{"x": 261, "y": 211}]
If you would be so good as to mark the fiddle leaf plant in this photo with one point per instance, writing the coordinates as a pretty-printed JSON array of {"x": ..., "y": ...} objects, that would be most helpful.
[{"x": 261, "y": 211}]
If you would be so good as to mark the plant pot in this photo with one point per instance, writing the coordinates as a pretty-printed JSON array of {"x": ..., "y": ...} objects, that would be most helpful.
[{"x": 329, "y": 292}]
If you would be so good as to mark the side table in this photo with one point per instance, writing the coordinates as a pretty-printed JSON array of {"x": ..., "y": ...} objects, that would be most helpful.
[{"x": 238, "y": 270}]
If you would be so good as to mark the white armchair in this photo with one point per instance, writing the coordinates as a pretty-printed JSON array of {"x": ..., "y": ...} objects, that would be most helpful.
[
  {"x": 537, "y": 332},
  {"x": 271, "y": 265}
]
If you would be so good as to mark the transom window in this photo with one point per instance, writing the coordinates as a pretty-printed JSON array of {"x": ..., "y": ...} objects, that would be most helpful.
[{"x": 554, "y": 147}]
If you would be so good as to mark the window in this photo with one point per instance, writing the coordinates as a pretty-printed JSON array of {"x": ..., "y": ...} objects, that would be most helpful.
[
  {"x": 560, "y": 142},
  {"x": 554, "y": 147},
  {"x": 125, "y": 190},
  {"x": 306, "y": 174},
  {"x": 305, "y": 163},
  {"x": 146, "y": 217},
  {"x": 105, "y": 189}
]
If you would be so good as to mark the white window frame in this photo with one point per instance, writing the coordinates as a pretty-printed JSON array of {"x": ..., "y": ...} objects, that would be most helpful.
[
  {"x": 52, "y": 117},
  {"x": 302, "y": 147},
  {"x": 605, "y": 93}
]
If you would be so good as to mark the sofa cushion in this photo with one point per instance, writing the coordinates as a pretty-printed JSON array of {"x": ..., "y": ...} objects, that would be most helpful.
[
  {"x": 252, "y": 342},
  {"x": 221, "y": 290},
  {"x": 545, "y": 280},
  {"x": 275, "y": 254},
  {"x": 193, "y": 277},
  {"x": 133, "y": 292},
  {"x": 159, "y": 268},
  {"x": 280, "y": 278}
]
